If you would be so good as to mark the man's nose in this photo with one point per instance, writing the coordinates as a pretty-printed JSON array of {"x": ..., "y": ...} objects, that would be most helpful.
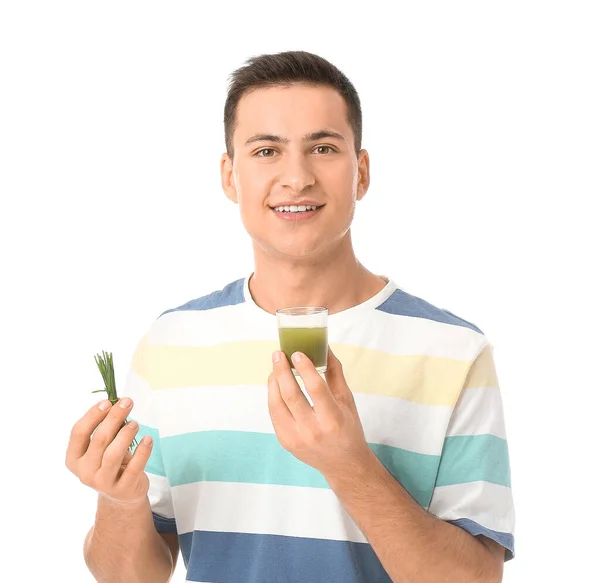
[{"x": 297, "y": 173}]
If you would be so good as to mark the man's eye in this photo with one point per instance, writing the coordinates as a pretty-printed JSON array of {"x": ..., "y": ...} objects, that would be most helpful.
[
  {"x": 324, "y": 148},
  {"x": 260, "y": 153}
]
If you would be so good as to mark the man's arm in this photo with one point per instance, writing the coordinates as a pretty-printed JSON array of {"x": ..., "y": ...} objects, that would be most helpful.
[
  {"x": 124, "y": 546},
  {"x": 412, "y": 545}
]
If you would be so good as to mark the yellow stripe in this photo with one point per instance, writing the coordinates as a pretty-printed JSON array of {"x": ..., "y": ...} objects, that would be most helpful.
[
  {"x": 428, "y": 380},
  {"x": 483, "y": 372}
]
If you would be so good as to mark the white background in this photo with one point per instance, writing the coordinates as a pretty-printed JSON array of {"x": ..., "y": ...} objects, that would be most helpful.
[{"x": 482, "y": 122}]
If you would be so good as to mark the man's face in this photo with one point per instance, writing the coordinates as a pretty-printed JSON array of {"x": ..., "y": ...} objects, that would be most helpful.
[{"x": 293, "y": 146}]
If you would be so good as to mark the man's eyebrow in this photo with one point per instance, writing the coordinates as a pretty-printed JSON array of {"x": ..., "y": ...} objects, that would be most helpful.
[
  {"x": 266, "y": 138},
  {"x": 323, "y": 134},
  {"x": 307, "y": 138}
]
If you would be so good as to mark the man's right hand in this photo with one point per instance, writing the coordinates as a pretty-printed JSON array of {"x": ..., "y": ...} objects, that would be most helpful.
[{"x": 103, "y": 461}]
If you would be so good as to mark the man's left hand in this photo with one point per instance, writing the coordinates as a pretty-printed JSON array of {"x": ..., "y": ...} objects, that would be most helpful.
[{"x": 328, "y": 436}]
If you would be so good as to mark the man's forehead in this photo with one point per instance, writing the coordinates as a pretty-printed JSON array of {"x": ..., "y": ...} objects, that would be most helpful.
[{"x": 292, "y": 112}]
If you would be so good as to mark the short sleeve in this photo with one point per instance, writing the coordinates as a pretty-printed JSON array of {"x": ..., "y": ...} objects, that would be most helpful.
[
  {"x": 146, "y": 414},
  {"x": 473, "y": 486}
]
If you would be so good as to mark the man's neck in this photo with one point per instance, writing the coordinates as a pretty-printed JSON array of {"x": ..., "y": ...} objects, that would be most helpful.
[{"x": 336, "y": 281}]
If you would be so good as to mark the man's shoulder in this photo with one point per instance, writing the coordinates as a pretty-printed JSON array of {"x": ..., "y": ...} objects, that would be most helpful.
[
  {"x": 402, "y": 303},
  {"x": 229, "y": 295},
  {"x": 199, "y": 321}
]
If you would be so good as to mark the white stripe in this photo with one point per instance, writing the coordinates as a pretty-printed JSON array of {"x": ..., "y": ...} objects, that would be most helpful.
[
  {"x": 395, "y": 334},
  {"x": 388, "y": 332},
  {"x": 159, "y": 496},
  {"x": 487, "y": 504},
  {"x": 210, "y": 327},
  {"x": 386, "y": 420},
  {"x": 263, "y": 509},
  {"x": 478, "y": 411}
]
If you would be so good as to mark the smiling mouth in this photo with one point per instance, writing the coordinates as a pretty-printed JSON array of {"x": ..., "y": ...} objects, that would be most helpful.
[{"x": 297, "y": 209}]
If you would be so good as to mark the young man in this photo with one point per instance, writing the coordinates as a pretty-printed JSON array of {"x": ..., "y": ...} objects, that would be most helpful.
[{"x": 399, "y": 472}]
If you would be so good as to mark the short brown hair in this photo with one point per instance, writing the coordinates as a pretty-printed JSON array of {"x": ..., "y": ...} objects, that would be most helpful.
[{"x": 287, "y": 68}]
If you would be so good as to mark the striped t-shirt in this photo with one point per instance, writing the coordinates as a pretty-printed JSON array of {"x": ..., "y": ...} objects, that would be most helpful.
[{"x": 247, "y": 511}]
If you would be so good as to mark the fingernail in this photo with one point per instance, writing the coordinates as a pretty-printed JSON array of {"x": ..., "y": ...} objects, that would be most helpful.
[
  {"x": 125, "y": 403},
  {"x": 132, "y": 425},
  {"x": 104, "y": 405},
  {"x": 276, "y": 356},
  {"x": 296, "y": 357}
]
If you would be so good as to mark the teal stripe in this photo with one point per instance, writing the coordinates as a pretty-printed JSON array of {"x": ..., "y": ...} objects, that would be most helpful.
[
  {"x": 258, "y": 458},
  {"x": 415, "y": 471},
  {"x": 470, "y": 458},
  {"x": 154, "y": 465}
]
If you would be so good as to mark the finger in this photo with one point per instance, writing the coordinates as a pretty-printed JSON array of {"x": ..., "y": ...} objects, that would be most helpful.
[
  {"x": 278, "y": 410},
  {"x": 317, "y": 388},
  {"x": 335, "y": 377},
  {"x": 106, "y": 432},
  {"x": 116, "y": 453},
  {"x": 137, "y": 463},
  {"x": 290, "y": 390},
  {"x": 81, "y": 432}
]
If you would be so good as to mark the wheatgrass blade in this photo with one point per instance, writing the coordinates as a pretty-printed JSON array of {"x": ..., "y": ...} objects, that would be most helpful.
[{"x": 105, "y": 365}]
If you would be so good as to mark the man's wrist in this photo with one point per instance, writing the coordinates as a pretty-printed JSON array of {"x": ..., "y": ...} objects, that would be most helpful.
[
  {"x": 132, "y": 503},
  {"x": 358, "y": 468}
]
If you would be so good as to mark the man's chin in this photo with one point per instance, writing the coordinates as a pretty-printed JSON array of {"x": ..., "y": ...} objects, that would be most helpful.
[{"x": 295, "y": 252}]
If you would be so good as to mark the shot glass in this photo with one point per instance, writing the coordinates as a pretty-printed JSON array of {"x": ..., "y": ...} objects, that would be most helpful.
[{"x": 304, "y": 329}]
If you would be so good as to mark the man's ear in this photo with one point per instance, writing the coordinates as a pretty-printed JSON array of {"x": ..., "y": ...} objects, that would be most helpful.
[
  {"x": 364, "y": 175},
  {"x": 227, "y": 178}
]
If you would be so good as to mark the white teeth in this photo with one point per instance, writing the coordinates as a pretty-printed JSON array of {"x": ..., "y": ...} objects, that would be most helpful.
[{"x": 295, "y": 208}]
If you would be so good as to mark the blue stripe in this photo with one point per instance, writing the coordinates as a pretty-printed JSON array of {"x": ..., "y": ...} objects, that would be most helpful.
[
  {"x": 231, "y": 294},
  {"x": 261, "y": 558},
  {"x": 163, "y": 524},
  {"x": 402, "y": 304},
  {"x": 506, "y": 539}
]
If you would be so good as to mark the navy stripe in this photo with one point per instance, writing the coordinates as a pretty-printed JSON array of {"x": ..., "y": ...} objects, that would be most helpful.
[
  {"x": 231, "y": 294},
  {"x": 163, "y": 524},
  {"x": 506, "y": 539},
  {"x": 402, "y": 304},
  {"x": 231, "y": 557}
]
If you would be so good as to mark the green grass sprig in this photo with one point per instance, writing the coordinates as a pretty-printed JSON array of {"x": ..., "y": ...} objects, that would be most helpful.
[{"x": 107, "y": 370}]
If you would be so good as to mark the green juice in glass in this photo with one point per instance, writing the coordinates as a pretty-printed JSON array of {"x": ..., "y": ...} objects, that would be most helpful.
[{"x": 310, "y": 341}]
